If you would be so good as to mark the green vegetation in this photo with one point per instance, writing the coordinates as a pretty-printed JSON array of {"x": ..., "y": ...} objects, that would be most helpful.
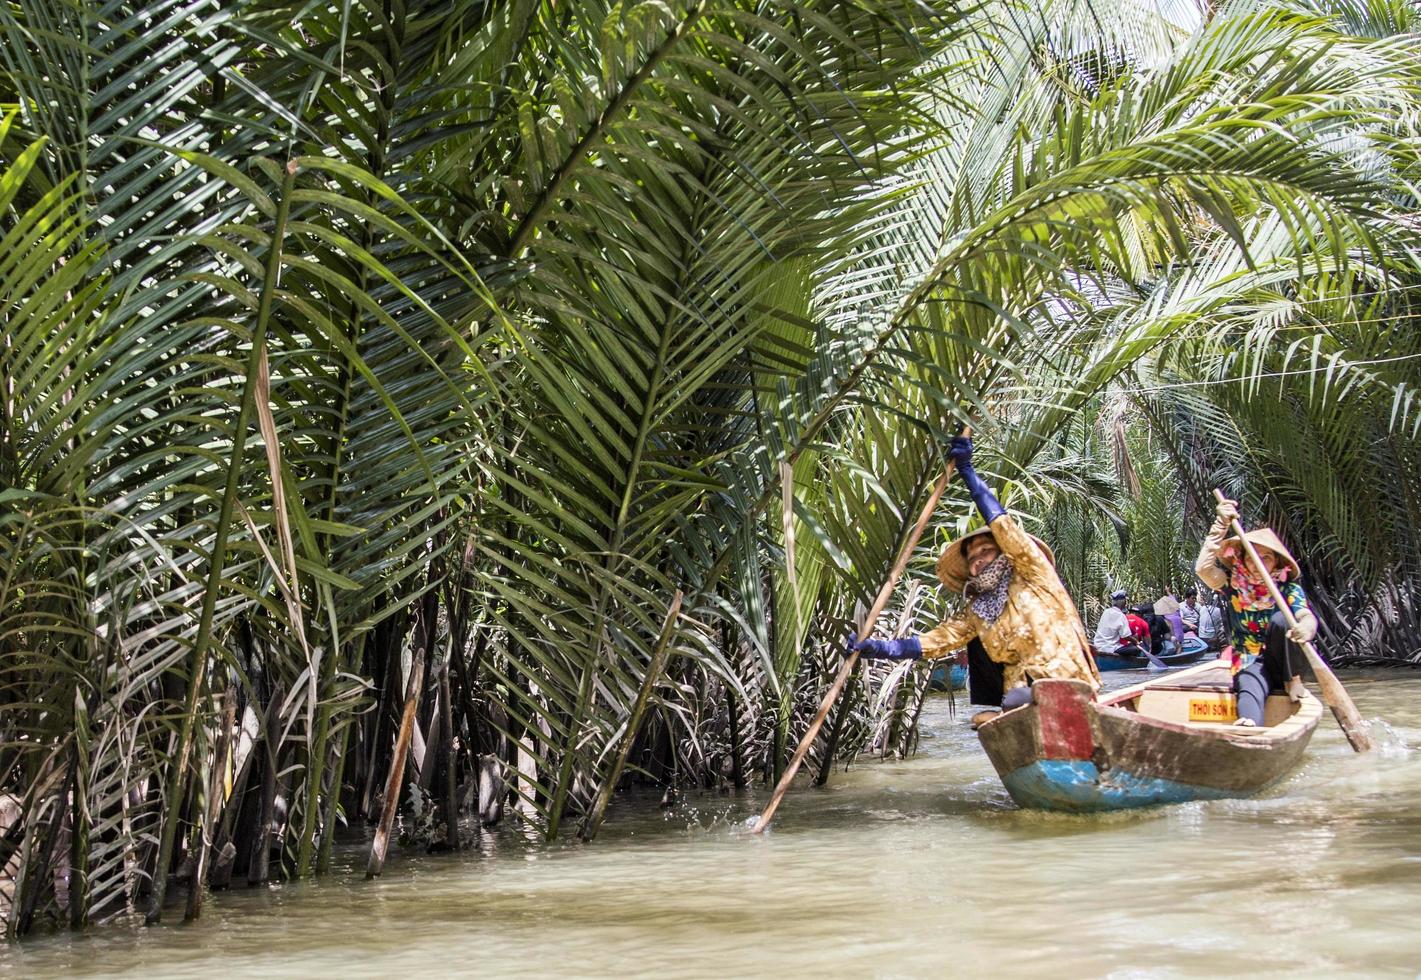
[{"x": 380, "y": 361}]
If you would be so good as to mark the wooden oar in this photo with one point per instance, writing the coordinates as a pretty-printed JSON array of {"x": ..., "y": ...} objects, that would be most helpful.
[
  {"x": 879, "y": 604},
  {"x": 1334, "y": 695}
]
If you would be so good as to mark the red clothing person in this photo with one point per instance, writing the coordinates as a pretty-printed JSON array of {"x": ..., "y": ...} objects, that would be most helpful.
[{"x": 1139, "y": 629}]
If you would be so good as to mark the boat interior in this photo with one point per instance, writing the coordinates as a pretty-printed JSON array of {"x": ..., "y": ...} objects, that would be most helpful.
[{"x": 1202, "y": 697}]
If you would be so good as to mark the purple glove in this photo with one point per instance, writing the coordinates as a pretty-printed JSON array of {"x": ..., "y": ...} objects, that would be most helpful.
[{"x": 908, "y": 648}]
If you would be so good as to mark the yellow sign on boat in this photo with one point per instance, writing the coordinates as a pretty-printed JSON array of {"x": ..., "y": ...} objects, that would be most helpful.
[{"x": 1220, "y": 709}]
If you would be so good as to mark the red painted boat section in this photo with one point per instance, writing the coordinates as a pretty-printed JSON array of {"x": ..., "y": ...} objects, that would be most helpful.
[{"x": 1065, "y": 721}]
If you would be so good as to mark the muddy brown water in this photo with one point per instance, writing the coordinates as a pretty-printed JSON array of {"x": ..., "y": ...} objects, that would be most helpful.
[{"x": 914, "y": 868}]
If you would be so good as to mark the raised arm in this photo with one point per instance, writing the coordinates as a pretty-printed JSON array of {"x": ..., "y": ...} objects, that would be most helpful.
[
  {"x": 987, "y": 504},
  {"x": 1015, "y": 543},
  {"x": 1207, "y": 567}
]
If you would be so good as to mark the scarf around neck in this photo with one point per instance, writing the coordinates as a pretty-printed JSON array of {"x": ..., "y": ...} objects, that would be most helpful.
[{"x": 986, "y": 591}]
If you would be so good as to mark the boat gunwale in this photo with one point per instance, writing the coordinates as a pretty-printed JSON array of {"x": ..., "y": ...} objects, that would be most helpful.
[
  {"x": 1307, "y": 713},
  {"x": 1172, "y": 680},
  {"x": 1300, "y": 723}
]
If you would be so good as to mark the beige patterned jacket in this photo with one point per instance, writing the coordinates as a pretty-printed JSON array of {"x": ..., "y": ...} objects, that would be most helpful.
[{"x": 1039, "y": 633}]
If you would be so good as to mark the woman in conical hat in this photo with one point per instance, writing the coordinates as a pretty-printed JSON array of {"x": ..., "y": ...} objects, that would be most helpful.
[
  {"x": 1266, "y": 657},
  {"x": 954, "y": 569},
  {"x": 1016, "y": 604},
  {"x": 1166, "y": 607}
]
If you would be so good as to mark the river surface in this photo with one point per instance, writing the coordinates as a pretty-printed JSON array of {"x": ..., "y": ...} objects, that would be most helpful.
[{"x": 903, "y": 869}]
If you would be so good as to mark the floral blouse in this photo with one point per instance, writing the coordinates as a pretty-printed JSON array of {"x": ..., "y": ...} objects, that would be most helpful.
[{"x": 1250, "y": 626}]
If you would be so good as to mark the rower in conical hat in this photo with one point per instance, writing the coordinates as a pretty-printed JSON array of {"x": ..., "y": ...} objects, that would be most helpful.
[
  {"x": 954, "y": 569},
  {"x": 1016, "y": 604},
  {"x": 1266, "y": 656}
]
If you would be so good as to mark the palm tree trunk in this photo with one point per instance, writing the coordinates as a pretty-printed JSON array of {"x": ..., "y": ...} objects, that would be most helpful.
[
  {"x": 395, "y": 780},
  {"x": 198, "y": 658}
]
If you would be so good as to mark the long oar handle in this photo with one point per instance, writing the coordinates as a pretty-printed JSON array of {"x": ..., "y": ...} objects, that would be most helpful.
[
  {"x": 1334, "y": 695},
  {"x": 879, "y": 604}
]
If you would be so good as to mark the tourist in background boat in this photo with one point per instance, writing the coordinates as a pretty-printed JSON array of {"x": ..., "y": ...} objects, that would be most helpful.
[
  {"x": 1016, "y": 604},
  {"x": 1265, "y": 653},
  {"x": 1121, "y": 633},
  {"x": 1189, "y": 611},
  {"x": 1167, "y": 609},
  {"x": 1211, "y": 623},
  {"x": 1139, "y": 629},
  {"x": 1149, "y": 631},
  {"x": 1112, "y": 633},
  {"x": 1153, "y": 627}
]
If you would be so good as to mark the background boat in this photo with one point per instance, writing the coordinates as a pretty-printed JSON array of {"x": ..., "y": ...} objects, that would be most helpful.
[
  {"x": 1192, "y": 651},
  {"x": 948, "y": 676}
]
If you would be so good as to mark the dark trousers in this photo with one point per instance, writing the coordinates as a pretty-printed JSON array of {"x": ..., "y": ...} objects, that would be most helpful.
[
  {"x": 986, "y": 681},
  {"x": 1281, "y": 661},
  {"x": 985, "y": 677}
]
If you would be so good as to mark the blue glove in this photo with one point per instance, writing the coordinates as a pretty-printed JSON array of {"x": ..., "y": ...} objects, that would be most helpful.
[
  {"x": 987, "y": 504},
  {"x": 908, "y": 648},
  {"x": 960, "y": 452}
]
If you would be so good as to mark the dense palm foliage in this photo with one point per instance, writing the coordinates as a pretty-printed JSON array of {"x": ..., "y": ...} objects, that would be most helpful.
[{"x": 535, "y": 391}]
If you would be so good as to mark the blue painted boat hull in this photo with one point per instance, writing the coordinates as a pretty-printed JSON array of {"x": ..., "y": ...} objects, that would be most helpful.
[{"x": 1076, "y": 786}]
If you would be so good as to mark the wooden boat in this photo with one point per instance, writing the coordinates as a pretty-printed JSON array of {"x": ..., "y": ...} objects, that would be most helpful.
[
  {"x": 948, "y": 676},
  {"x": 1192, "y": 651},
  {"x": 1168, "y": 740}
]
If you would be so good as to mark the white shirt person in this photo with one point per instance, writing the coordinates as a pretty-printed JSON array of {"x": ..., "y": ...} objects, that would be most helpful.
[{"x": 1113, "y": 628}]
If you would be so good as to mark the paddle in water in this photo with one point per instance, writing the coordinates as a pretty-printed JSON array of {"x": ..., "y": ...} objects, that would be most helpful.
[
  {"x": 879, "y": 604},
  {"x": 1334, "y": 695}
]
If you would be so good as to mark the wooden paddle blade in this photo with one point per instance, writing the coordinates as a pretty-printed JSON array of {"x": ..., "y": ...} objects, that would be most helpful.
[{"x": 1335, "y": 696}]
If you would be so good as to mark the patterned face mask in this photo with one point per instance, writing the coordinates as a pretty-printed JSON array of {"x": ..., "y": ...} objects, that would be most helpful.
[
  {"x": 986, "y": 591},
  {"x": 1252, "y": 591}
]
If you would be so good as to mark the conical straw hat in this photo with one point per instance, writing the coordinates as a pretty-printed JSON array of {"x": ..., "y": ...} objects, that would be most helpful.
[
  {"x": 952, "y": 566},
  {"x": 1260, "y": 537}
]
